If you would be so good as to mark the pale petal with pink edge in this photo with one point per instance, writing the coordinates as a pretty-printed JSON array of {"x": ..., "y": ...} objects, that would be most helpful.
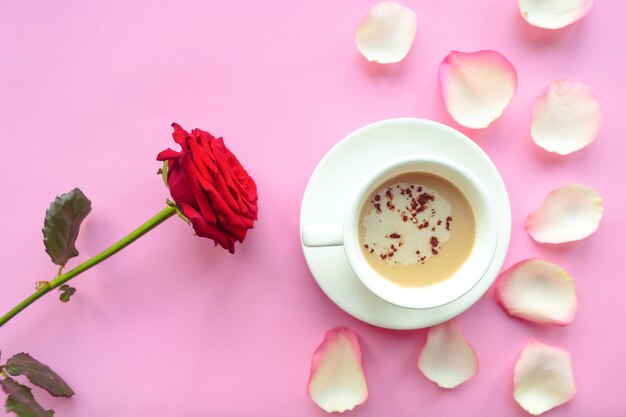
[
  {"x": 537, "y": 291},
  {"x": 337, "y": 382},
  {"x": 566, "y": 118},
  {"x": 553, "y": 14},
  {"x": 447, "y": 358},
  {"x": 477, "y": 86},
  {"x": 386, "y": 33},
  {"x": 569, "y": 213},
  {"x": 543, "y": 378}
]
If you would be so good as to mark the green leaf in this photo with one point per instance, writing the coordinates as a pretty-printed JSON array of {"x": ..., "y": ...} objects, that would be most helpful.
[
  {"x": 21, "y": 400},
  {"x": 62, "y": 225},
  {"x": 39, "y": 374},
  {"x": 66, "y": 293},
  {"x": 178, "y": 210},
  {"x": 164, "y": 173}
]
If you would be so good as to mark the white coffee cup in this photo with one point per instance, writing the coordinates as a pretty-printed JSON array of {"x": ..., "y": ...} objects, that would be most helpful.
[{"x": 443, "y": 292}]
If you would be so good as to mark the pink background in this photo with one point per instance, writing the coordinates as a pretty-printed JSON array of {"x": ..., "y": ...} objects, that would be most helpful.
[{"x": 173, "y": 326}]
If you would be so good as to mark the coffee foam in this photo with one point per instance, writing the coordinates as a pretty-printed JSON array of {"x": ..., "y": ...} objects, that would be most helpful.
[{"x": 408, "y": 223}]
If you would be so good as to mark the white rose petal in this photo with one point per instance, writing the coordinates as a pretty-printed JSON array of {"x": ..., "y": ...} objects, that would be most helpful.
[
  {"x": 337, "y": 382},
  {"x": 537, "y": 291},
  {"x": 386, "y": 32},
  {"x": 553, "y": 14},
  {"x": 568, "y": 213},
  {"x": 566, "y": 118},
  {"x": 447, "y": 358},
  {"x": 543, "y": 378},
  {"x": 477, "y": 86}
]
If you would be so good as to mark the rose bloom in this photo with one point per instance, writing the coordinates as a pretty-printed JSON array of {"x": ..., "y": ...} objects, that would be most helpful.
[{"x": 210, "y": 187}]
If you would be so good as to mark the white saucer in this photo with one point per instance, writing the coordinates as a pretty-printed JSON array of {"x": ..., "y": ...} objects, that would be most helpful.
[{"x": 340, "y": 171}]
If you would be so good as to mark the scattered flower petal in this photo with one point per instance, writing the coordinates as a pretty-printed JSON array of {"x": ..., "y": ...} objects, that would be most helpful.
[
  {"x": 386, "y": 32},
  {"x": 477, "y": 86},
  {"x": 566, "y": 118},
  {"x": 447, "y": 358},
  {"x": 569, "y": 213},
  {"x": 537, "y": 291},
  {"x": 337, "y": 381},
  {"x": 553, "y": 14},
  {"x": 543, "y": 378}
]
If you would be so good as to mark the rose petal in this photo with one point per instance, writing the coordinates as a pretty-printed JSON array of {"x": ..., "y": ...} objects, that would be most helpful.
[
  {"x": 477, "y": 86},
  {"x": 337, "y": 382},
  {"x": 566, "y": 118},
  {"x": 180, "y": 135},
  {"x": 553, "y": 14},
  {"x": 447, "y": 358},
  {"x": 537, "y": 291},
  {"x": 386, "y": 32},
  {"x": 569, "y": 213},
  {"x": 543, "y": 378}
]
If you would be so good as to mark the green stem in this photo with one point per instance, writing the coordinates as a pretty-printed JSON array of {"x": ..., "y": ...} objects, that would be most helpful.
[{"x": 159, "y": 218}]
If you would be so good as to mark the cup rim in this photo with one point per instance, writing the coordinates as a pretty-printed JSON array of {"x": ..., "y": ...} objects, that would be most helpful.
[{"x": 410, "y": 297}]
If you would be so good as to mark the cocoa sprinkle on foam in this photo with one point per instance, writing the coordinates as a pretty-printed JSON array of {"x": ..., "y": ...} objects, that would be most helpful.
[{"x": 407, "y": 223}]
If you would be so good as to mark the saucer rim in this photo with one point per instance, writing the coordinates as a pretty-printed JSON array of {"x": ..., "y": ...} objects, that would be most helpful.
[{"x": 437, "y": 314}]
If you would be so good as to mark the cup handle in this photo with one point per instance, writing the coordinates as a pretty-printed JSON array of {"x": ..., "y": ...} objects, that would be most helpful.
[{"x": 322, "y": 235}]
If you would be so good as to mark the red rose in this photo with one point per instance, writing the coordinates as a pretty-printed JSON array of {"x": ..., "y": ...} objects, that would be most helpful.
[{"x": 210, "y": 187}]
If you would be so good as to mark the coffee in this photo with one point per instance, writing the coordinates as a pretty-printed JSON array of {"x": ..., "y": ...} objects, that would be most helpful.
[{"x": 416, "y": 229}]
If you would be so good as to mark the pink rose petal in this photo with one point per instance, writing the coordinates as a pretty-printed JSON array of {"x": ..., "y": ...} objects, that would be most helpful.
[
  {"x": 537, "y": 291},
  {"x": 386, "y": 32},
  {"x": 543, "y": 378},
  {"x": 553, "y": 14},
  {"x": 568, "y": 213},
  {"x": 447, "y": 358},
  {"x": 337, "y": 382},
  {"x": 566, "y": 117},
  {"x": 477, "y": 86}
]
